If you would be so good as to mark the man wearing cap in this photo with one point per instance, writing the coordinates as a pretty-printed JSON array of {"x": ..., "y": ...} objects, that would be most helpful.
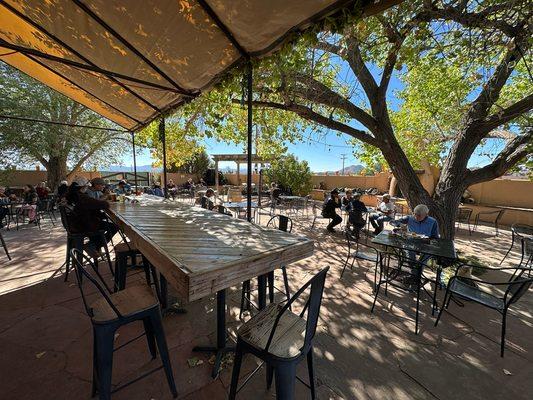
[
  {"x": 385, "y": 213},
  {"x": 96, "y": 190},
  {"x": 87, "y": 215},
  {"x": 122, "y": 188}
]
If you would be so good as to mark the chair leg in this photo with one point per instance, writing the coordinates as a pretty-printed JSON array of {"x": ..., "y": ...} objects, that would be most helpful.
[
  {"x": 150, "y": 338},
  {"x": 67, "y": 260},
  {"x": 508, "y": 251},
  {"x": 5, "y": 247},
  {"x": 314, "y": 220},
  {"x": 311, "y": 370},
  {"x": 417, "y": 306},
  {"x": 236, "y": 371},
  {"x": 285, "y": 381},
  {"x": 445, "y": 302},
  {"x": 105, "y": 337},
  {"x": 286, "y": 284},
  {"x": 159, "y": 334},
  {"x": 269, "y": 375},
  {"x": 270, "y": 278},
  {"x": 504, "y": 323}
]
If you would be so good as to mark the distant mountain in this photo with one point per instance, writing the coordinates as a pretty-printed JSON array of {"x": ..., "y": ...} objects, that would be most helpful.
[{"x": 350, "y": 169}]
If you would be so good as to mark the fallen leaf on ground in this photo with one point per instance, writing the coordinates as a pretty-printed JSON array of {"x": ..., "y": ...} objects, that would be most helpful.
[
  {"x": 507, "y": 372},
  {"x": 39, "y": 355},
  {"x": 194, "y": 361}
]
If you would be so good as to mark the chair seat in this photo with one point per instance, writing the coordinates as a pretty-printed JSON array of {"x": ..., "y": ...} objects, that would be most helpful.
[
  {"x": 124, "y": 247},
  {"x": 475, "y": 294},
  {"x": 365, "y": 256},
  {"x": 128, "y": 301},
  {"x": 288, "y": 338}
]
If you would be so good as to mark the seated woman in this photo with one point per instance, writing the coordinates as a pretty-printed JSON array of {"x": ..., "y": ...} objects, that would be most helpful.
[
  {"x": 355, "y": 209},
  {"x": 157, "y": 191},
  {"x": 207, "y": 199},
  {"x": 30, "y": 199},
  {"x": 87, "y": 213},
  {"x": 328, "y": 210}
]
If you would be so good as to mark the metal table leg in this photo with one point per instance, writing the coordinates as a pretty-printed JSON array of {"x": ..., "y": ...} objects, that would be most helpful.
[
  {"x": 221, "y": 348},
  {"x": 169, "y": 304},
  {"x": 261, "y": 289}
]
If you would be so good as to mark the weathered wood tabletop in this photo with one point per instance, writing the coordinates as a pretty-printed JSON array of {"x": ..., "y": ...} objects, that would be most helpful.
[{"x": 200, "y": 252}]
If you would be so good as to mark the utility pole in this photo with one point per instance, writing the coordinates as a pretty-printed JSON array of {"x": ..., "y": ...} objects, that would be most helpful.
[{"x": 343, "y": 158}]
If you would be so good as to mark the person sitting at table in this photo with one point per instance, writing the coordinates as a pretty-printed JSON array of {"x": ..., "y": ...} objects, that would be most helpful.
[
  {"x": 96, "y": 190},
  {"x": 328, "y": 210},
  {"x": 4, "y": 203},
  {"x": 42, "y": 191},
  {"x": 207, "y": 199},
  {"x": 355, "y": 209},
  {"x": 275, "y": 192},
  {"x": 30, "y": 199},
  {"x": 420, "y": 222},
  {"x": 62, "y": 190},
  {"x": 157, "y": 191},
  {"x": 87, "y": 213},
  {"x": 385, "y": 212},
  {"x": 122, "y": 188}
]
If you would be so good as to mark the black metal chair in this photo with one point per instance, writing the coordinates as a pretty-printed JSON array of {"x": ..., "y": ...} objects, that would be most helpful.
[
  {"x": 527, "y": 253},
  {"x": 113, "y": 310},
  {"x": 282, "y": 223},
  {"x": 223, "y": 210},
  {"x": 498, "y": 215},
  {"x": 360, "y": 251},
  {"x": 404, "y": 273},
  {"x": 282, "y": 339},
  {"x": 463, "y": 217},
  {"x": 45, "y": 207},
  {"x": 518, "y": 232},
  {"x": 317, "y": 214},
  {"x": 478, "y": 291},
  {"x": 4, "y": 245}
]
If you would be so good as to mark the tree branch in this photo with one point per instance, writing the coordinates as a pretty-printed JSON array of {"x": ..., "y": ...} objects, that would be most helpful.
[
  {"x": 318, "y": 92},
  {"x": 515, "y": 150},
  {"x": 508, "y": 114},
  {"x": 310, "y": 115}
]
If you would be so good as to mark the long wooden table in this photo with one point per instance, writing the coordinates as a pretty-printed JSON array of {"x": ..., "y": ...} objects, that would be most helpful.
[{"x": 201, "y": 252}]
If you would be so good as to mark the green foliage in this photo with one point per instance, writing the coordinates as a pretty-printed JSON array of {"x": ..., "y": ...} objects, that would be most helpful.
[
  {"x": 291, "y": 173},
  {"x": 23, "y": 143},
  {"x": 197, "y": 164}
]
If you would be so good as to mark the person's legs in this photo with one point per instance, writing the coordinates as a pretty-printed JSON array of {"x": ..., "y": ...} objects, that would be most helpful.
[
  {"x": 335, "y": 220},
  {"x": 373, "y": 218},
  {"x": 109, "y": 228}
]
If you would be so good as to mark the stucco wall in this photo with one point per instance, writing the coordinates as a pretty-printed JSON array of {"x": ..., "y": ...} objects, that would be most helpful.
[
  {"x": 21, "y": 178},
  {"x": 504, "y": 192}
]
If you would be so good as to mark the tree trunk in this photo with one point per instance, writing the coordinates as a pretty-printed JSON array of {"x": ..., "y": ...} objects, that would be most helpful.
[{"x": 57, "y": 171}]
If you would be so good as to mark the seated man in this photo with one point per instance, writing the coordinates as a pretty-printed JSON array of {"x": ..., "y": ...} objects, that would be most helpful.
[
  {"x": 4, "y": 203},
  {"x": 172, "y": 188},
  {"x": 122, "y": 188},
  {"x": 96, "y": 190},
  {"x": 157, "y": 191},
  {"x": 355, "y": 209},
  {"x": 87, "y": 212},
  {"x": 328, "y": 210},
  {"x": 385, "y": 212},
  {"x": 346, "y": 200},
  {"x": 207, "y": 199},
  {"x": 421, "y": 223}
]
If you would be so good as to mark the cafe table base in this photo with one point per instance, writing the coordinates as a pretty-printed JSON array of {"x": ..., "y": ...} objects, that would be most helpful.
[
  {"x": 221, "y": 348},
  {"x": 169, "y": 304}
]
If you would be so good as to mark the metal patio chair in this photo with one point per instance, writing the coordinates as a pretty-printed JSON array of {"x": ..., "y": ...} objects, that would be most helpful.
[
  {"x": 360, "y": 251},
  {"x": 463, "y": 217},
  {"x": 110, "y": 312},
  {"x": 497, "y": 216},
  {"x": 282, "y": 340},
  {"x": 518, "y": 232},
  {"x": 482, "y": 292},
  {"x": 282, "y": 223},
  {"x": 4, "y": 245}
]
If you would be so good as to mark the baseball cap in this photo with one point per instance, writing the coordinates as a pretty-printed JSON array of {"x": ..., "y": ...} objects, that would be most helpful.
[
  {"x": 80, "y": 181},
  {"x": 97, "y": 181}
]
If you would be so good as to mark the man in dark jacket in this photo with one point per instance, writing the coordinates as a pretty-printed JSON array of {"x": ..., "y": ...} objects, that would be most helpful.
[
  {"x": 356, "y": 208},
  {"x": 328, "y": 210}
]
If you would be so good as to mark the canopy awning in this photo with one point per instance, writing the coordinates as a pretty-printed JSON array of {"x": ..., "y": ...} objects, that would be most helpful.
[{"x": 131, "y": 61}]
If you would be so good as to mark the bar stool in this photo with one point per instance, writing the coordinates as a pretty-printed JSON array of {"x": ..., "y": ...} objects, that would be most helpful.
[{"x": 113, "y": 310}]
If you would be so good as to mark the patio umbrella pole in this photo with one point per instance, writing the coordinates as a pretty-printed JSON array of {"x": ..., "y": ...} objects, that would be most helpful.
[
  {"x": 163, "y": 138},
  {"x": 249, "y": 73},
  {"x": 134, "y": 161}
]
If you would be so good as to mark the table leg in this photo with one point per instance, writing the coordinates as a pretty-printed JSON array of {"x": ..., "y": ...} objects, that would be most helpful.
[
  {"x": 434, "y": 306},
  {"x": 220, "y": 349},
  {"x": 261, "y": 289},
  {"x": 169, "y": 304}
]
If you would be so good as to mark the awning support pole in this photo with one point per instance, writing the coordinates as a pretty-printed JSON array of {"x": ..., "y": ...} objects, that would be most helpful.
[
  {"x": 163, "y": 138},
  {"x": 134, "y": 161},
  {"x": 249, "y": 147}
]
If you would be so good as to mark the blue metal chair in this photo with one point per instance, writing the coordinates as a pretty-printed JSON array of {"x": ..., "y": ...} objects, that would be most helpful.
[
  {"x": 281, "y": 339},
  {"x": 483, "y": 291},
  {"x": 113, "y": 310}
]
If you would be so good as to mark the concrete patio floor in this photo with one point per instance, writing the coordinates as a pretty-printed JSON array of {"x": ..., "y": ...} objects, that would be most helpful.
[{"x": 46, "y": 339}]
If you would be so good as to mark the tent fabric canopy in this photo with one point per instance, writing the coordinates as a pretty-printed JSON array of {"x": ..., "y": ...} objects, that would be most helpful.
[{"x": 131, "y": 61}]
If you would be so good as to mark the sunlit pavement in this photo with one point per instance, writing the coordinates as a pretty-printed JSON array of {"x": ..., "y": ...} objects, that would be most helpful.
[{"x": 46, "y": 338}]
